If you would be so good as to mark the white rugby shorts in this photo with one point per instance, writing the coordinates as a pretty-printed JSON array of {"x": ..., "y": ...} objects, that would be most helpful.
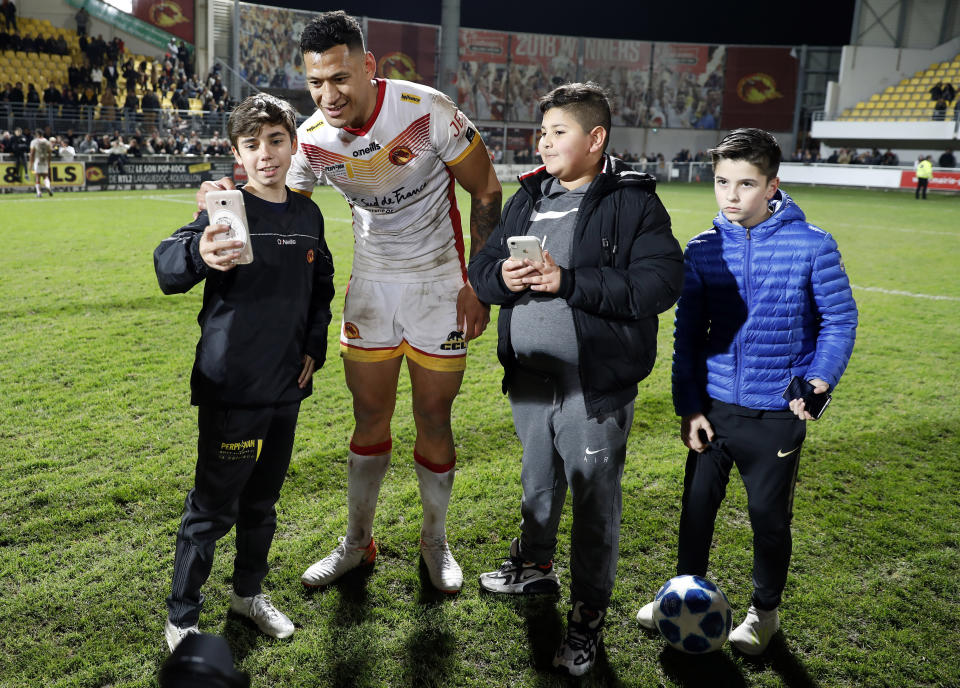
[
  {"x": 384, "y": 320},
  {"x": 39, "y": 168}
]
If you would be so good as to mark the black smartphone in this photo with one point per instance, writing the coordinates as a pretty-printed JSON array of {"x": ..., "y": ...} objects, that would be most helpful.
[{"x": 815, "y": 404}]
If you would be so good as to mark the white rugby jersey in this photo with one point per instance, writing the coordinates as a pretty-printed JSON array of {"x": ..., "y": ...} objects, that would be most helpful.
[{"x": 393, "y": 173}]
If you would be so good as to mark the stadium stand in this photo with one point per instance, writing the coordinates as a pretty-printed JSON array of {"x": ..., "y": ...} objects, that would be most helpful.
[{"x": 908, "y": 101}]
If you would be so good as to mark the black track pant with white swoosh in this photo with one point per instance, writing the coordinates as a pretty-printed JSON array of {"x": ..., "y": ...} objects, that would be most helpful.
[
  {"x": 765, "y": 447},
  {"x": 564, "y": 448}
]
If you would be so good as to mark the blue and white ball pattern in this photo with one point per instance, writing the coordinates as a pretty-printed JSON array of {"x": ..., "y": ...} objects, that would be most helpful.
[{"x": 693, "y": 614}]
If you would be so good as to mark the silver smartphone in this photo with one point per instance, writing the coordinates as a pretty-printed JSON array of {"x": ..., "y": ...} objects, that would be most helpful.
[
  {"x": 226, "y": 208},
  {"x": 522, "y": 247}
]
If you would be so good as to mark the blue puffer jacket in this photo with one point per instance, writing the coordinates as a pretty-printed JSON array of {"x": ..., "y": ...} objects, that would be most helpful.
[{"x": 758, "y": 307}]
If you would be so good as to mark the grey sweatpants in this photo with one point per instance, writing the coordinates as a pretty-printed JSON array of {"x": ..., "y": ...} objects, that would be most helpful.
[{"x": 564, "y": 448}]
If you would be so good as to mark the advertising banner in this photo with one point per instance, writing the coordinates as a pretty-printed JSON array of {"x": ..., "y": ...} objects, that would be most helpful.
[
  {"x": 944, "y": 181},
  {"x": 145, "y": 172},
  {"x": 97, "y": 175},
  {"x": 269, "y": 46},
  {"x": 61, "y": 174},
  {"x": 760, "y": 86},
  {"x": 534, "y": 56},
  {"x": 623, "y": 68},
  {"x": 687, "y": 88},
  {"x": 482, "y": 77},
  {"x": 173, "y": 16},
  {"x": 404, "y": 51}
]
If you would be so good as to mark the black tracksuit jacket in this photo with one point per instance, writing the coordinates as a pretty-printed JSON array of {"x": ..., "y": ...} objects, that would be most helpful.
[
  {"x": 626, "y": 268},
  {"x": 257, "y": 320}
]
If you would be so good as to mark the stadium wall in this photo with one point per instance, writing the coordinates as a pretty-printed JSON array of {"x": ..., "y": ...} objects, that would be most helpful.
[{"x": 61, "y": 15}]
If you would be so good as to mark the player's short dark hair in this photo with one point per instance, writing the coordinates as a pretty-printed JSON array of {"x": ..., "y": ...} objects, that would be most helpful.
[
  {"x": 756, "y": 146},
  {"x": 257, "y": 111},
  {"x": 331, "y": 29},
  {"x": 588, "y": 103}
]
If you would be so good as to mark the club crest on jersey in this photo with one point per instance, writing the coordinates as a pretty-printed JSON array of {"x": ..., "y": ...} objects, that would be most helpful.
[
  {"x": 454, "y": 342},
  {"x": 401, "y": 155},
  {"x": 351, "y": 331},
  {"x": 309, "y": 255}
]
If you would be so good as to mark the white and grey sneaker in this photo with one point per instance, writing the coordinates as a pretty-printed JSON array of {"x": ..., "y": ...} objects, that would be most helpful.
[
  {"x": 578, "y": 651},
  {"x": 645, "y": 616},
  {"x": 260, "y": 610},
  {"x": 338, "y": 562},
  {"x": 518, "y": 577},
  {"x": 176, "y": 634},
  {"x": 445, "y": 573},
  {"x": 754, "y": 634}
]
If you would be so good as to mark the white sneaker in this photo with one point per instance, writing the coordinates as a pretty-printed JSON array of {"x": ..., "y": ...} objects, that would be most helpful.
[
  {"x": 337, "y": 563},
  {"x": 578, "y": 651},
  {"x": 445, "y": 573},
  {"x": 518, "y": 577},
  {"x": 175, "y": 634},
  {"x": 645, "y": 616},
  {"x": 261, "y": 611},
  {"x": 754, "y": 634}
]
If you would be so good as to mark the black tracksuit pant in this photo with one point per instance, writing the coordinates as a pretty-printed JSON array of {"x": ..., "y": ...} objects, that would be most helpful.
[
  {"x": 242, "y": 460},
  {"x": 765, "y": 447}
]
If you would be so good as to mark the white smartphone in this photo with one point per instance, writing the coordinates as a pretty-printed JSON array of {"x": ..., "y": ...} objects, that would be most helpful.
[
  {"x": 525, "y": 247},
  {"x": 226, "y": 208}
]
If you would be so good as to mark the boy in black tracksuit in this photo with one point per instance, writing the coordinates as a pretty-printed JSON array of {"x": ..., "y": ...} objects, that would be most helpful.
[
  {"x": 577, "y": 332},
  {"x": 263, "y": 333}
]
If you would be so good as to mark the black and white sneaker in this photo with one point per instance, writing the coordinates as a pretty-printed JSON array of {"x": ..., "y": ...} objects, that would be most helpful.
[
  {"x": 578, "y": 651},
  {"x": 518, "y": 577}
]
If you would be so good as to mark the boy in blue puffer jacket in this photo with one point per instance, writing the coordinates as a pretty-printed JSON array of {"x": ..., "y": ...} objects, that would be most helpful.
[{"x": 765, "y": 298}]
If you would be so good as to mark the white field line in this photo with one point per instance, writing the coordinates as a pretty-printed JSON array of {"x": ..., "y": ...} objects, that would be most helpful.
[
  {"x": 897, "y": 292},
  {"x": 904, "y": 230}
]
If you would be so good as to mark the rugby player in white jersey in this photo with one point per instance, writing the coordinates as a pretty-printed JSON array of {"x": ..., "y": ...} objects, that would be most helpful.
[
  {"x": 394, "y": 149},
  {"x": 40, "y": 154}
]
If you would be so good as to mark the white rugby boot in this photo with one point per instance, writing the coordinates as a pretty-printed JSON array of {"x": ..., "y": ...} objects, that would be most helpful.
[
  {"x": 260, "y": 610},
  {"x": 754, "y": 634}
]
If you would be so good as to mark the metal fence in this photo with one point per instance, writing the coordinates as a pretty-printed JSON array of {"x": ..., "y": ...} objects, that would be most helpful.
[{"x": 100, "y": 120}]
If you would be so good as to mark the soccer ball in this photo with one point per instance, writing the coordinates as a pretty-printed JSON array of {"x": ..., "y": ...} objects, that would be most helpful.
[{"x": 693, "y": 614}]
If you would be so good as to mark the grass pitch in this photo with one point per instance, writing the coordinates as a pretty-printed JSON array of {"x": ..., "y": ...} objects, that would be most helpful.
[{"x": 97, "y": 448}]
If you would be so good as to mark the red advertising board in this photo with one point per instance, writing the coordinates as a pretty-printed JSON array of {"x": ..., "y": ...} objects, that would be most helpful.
[
  {"x": 173, "y": 16},
  {"x": 482, "y": 76},
  {"x": 404, "y": 51},
  {"x": 623, "y": 68},
  {"x": 760, "y": 87},
  {"x": 943, "y": 181},
  {"x": 538, "y": 62},
  {"x": 686, "y": 87}
]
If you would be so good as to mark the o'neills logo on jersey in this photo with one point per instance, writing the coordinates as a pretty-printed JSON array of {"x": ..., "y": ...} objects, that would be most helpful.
[
  {"x": 372, "y": 148},
  {"x": 401, "y": 155},
  {"x": 351, "y": 331},
  {"x": 454, "y": 342}
]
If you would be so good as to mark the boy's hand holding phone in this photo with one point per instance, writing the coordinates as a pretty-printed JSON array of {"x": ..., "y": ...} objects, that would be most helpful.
[
  {"x": 808, "y": 400},
  {"x": 217, "y": 253},
  {"x": 513, "y": 272}
]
